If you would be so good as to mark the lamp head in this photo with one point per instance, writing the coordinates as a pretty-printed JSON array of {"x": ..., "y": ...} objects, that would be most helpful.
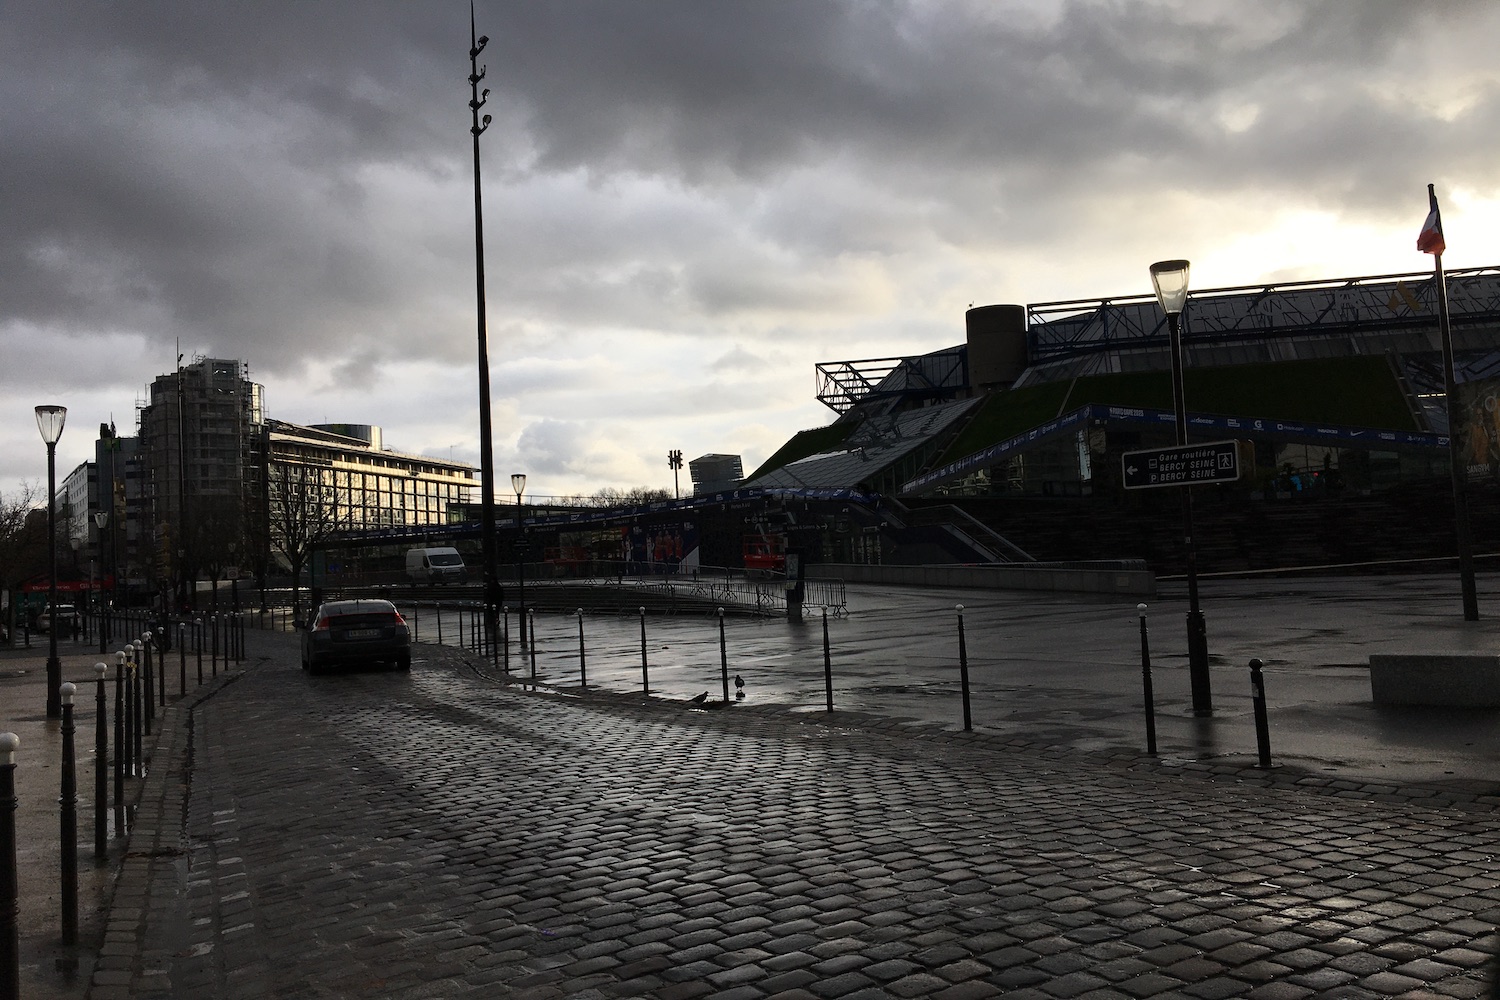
[
  {"x": 49, "y": 420},
  {"x": 1170, "y": 279},
  {"x": 518, "y": 483},
  {"x": 101, "y": 518}
]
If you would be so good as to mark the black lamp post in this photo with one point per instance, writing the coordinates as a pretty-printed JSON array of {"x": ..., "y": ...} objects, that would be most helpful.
[
  {"x": 234, "y": 581},
  {"x": 1170, "y": 278},
  {"x": 101, "y": 519},
  {"x": 518, "y": 483},
  {"x": 49, "y": 420},
  {"x": 486, "y": 448}
]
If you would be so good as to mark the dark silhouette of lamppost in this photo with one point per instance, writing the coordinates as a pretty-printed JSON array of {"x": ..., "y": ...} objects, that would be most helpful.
[
  {"x": 518, "y": 483},
  {"x": 50, "y": 420},
  {"x": 486, "y": 457},
  {"x": 234, "y": 581},
  {"x": 1170, "y": 279},
  {"x": 101, "y": 519}
]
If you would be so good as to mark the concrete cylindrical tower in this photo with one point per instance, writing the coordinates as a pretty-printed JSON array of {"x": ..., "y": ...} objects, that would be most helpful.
[{"x": 997, "y": 345}]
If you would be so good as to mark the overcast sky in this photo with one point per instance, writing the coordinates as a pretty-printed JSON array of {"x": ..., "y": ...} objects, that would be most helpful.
[{"x": 686, "y": 204}]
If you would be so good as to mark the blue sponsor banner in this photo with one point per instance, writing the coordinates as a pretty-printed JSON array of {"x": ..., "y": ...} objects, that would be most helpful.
[{"x": 1256, "y": 426}]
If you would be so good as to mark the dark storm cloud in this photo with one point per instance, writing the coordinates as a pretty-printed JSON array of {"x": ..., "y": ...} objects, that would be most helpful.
[
  {"x": 186, "y": 167},
  {"x": 193, "y": 169},
  {"x": 288, "y": 182}
]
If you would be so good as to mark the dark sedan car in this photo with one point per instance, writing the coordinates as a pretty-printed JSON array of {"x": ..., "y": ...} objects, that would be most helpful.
[{"x": 355, "y": 632}]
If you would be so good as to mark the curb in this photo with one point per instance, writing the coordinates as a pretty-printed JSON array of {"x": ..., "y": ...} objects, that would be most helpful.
[{"x": 154, "y": 844}]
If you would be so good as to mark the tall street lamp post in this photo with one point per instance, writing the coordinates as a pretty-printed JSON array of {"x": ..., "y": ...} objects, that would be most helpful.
[
  {"x": 1170, "y": 278},
  {"x": 101, "y": 518},
  {"x": 486, "y": 457},
  {"x": 518, "y": 483},
  {"x": 234, "y": 581},
  {"x": 49, "y": 420}
]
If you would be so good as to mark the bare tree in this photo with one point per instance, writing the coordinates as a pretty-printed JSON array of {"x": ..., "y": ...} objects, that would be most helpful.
[
  {"x": 256, "y": 525},
  {"x": 304, "y": 510},
  {"x": 636, "y": 496},
  {"x": 217, "y": 535},
  {"x": 23, "y": 544}
]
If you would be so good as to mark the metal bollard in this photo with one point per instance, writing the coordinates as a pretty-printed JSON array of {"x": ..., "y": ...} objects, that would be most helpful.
[
  {"x": 505, "y": 638},
  {"x": 129, "y": 710},
  {"x": 120, "y": 745},
  {"x": 1262, "y": 725},
  {"x": 827, "y": 662},
  {"x": 101, "y": 766},
  {"x": 10, "y": 884},
  {"x": 645, "y": 668},
  {"x": 69, "y": 804},
  {"x": 144, "y": 644},
  {"x": 439, "y": 612},
  {"x": 583, "y": 671},
  {"x": 213, "y": 639},
  {"x": 963, "y": 669},
  {"x": 182, "y": 659},
  {"x": 723, "y": 657},
  {"x": 198, "y": 646},
  {"x": 137, "y": 756},
  {"x": 160, "y": 665},
  {"x": 531, "y": 618},
  {"x": 1146, "y": 684}
]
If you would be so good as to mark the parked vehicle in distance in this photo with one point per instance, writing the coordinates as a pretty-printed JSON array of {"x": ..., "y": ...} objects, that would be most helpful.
[
  {"x": 440, "y": 564},
  {"x": 65, "y": 615},
  {"x": 343, "y": 633}
]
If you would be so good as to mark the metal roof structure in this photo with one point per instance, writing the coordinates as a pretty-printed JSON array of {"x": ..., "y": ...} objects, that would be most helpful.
[{"x": 881, "y": 442}]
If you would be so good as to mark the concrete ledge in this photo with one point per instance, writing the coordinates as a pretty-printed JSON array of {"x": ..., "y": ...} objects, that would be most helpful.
[
  {"x": 1077, "y": 577},
  {"x": 1460, "y": 680}
]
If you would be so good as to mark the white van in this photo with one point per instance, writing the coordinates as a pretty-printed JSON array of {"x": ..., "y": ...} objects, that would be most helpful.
[{"x": 435, "y": 565}]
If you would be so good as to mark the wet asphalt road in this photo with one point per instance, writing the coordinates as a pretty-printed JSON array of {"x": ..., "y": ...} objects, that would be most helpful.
[
  {"x": 1066, "y": 669},
  {"x": 441, "y": 834}
]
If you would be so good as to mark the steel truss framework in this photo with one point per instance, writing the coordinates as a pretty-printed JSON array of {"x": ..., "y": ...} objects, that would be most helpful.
[
  {"x": 842, "y": 384},
  {"x": 1344, "y": 306}
]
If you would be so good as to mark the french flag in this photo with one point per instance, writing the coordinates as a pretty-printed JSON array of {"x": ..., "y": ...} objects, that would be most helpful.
[{"x": 1430, "y": 240}]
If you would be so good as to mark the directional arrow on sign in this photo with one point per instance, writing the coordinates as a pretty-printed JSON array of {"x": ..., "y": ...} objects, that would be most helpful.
[{"x": 1183, "y": 465}]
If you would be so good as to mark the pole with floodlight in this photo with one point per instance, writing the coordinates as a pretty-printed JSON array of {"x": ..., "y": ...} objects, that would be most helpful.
[
  {"x": 518, "y": 483},
  {"x": 50, "y": 420},
  {"x": 674, "y": 461},
  {"x": 1170, "y": 279},
  {"x": 486, "y": 445}
]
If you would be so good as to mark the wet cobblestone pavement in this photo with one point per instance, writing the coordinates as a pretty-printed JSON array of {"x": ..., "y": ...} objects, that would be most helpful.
[{"x": 440, "y": 834}]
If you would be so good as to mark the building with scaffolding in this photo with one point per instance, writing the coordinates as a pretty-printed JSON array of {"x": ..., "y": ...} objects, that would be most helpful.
[{"x": 211, "y": 488}]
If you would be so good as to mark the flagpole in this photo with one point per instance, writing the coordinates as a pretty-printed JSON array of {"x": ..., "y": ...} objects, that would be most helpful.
[{"x": 1456, "y": 462}]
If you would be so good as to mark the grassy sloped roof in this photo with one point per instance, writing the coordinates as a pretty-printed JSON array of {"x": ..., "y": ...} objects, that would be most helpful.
[
  {"x": 806, "y": 443},
  {"x": 1351, "y": 392}
]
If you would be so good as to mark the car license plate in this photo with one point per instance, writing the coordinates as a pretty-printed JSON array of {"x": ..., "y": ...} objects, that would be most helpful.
[{"x": 362, "y": 633}]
